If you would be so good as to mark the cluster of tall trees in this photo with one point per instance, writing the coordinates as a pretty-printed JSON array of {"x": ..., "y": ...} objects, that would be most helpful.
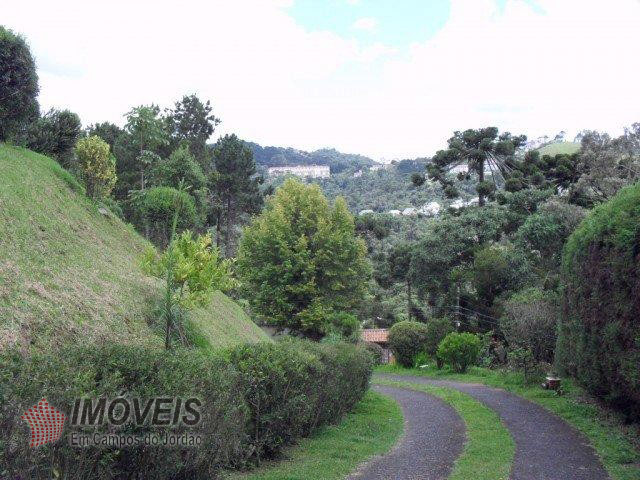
[{"x": 136, "y": 169}]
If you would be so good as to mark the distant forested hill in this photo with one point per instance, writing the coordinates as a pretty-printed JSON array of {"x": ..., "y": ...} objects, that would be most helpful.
[{"x": 337, "y": 161}]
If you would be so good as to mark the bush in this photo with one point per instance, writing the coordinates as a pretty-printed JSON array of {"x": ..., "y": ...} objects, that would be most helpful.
[
  {"x": 155, "y": 208},
  {"x": 256, "y": 399},
  {"x": 106, "y": 371},
  {"x": 599, "y": 334},
  {"x": 295, "y": 386},
  {"x": 530, "y": 322},
  {"x": 459, "y": 350},
  {"x": 18, "y": 84},
  {"x": 376, "y": 351},
  {"x": 406, "y": 340},
  {"x": 437, "y": 329},
  {"x": 55, "y": 134},
  {"x": 97, "y": 166}
]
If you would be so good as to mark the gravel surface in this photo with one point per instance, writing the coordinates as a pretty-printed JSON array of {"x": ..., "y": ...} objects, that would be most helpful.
[
  {"x": 433, "y": 438},
  {"x": 547, "y": 448}
]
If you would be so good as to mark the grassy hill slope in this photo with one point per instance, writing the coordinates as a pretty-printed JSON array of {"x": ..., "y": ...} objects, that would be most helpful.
[
  {"x": 559, "y": 147},
  {"x": 68, "y": 273}
]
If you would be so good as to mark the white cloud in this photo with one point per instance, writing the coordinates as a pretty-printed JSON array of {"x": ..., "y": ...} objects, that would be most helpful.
[
  {"x": 273, "y": 82},
  {"x": 365, "y": 23}
]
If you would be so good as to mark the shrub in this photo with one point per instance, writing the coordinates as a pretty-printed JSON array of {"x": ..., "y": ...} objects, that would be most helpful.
[
  {"x": 255, "y": 400},
  {"x": 55, "y": 134},
  {"x": 136, "y": 371},
  {"x": 376, "y": 351},
  {"x": 406, "y": 340},
  {"x": 155, "y": 208},
  {"x": 198, "y": 269},
  {"x": 97, "y": 166},
  {"x": 459, "y": 350},
  {"x": 295, "y": 386},
  {"x": 18, "y": 84},
  {"x": 599, "y": 333},
  {"x": 437, "y": 329},
  {"x": 530, "y": 322}
]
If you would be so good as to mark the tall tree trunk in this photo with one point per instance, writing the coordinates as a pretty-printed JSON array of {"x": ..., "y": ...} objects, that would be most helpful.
[
  {"x": 227, "y": 238},
  {"x": 481, "y": 180},
  {"x": 408, "y": 298}
]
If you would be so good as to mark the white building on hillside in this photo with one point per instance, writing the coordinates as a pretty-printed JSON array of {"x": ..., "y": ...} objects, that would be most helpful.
[{"x": 312, "y": 171}]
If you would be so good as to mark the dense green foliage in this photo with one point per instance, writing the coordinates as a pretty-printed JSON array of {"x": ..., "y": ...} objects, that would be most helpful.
[
  {"x": 371, "y": 428},
  {"x": 155, "y": 208},
  {"x": 97, "y": 166},
  {"x": 295, "y": 387},
  {"x": 406, "y": 340},
  {"x": 437, "y": 329},
  {"x": 300, "y": 261},
  {"x": 235, "y": 187},
  {"x": 255, "y": 400},
  {"x": 55, "y": 134},
  {"x": 197, "y": 268},
  {"x": 530, "y": 321},
  {"x": 18, "y": 85},
  {"x": 459, "y": 350},
  {"x": 599, "y": 336}
]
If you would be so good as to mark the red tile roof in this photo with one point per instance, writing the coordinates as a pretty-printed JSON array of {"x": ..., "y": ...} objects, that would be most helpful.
[{"x": 377, "y": 335}]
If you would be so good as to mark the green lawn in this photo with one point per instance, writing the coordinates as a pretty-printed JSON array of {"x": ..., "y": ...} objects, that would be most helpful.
[
  {"x": 488, "y": 452},
  {"x": 335, "y": 451},
  {"x": 616, "y": 446}
]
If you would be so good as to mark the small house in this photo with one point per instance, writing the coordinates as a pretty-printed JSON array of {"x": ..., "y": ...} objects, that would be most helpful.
[{"x": 381, "y": 337}]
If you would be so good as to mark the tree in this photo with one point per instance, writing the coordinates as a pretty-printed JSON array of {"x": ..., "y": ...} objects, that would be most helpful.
[
  {"x": 479, "y": 150},
  {"x": 400, "y": 268},
  {"x": 55, "y": 134},
  {"x": 107, "y": 131},
  {"x": 301, "y": 262},
  {"x": 605, "y": 165},
  {"x": 155, "y": 209},
  {"x": 234, "y": 186},
  {"x": 97, "y": 166},
  {"x": 18, "y": 85},
  {"x": 147, "y": 133},
  {"x": 191, "y": 122}
]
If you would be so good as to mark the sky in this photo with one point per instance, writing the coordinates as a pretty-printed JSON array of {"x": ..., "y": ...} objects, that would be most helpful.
[{"x": 385, "y": 78}]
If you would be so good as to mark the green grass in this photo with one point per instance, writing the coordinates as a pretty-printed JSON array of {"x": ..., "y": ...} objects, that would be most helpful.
[
  {"x": 616, "y": 445},
  {"x": 335, "y": 451},
  {"x": 68, "y": 273},
  {"x": 559, "y": 147},
  {"x": 488, "y": 452}
]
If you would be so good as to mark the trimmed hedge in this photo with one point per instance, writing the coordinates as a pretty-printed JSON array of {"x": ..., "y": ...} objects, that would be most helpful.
[
  {"x": 256, "y": 400},
  {"x": 406, "y": 340},
  {"x": 599, "y": 333}
]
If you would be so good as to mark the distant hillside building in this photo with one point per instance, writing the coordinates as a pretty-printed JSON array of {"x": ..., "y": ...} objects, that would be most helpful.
[{"x": 312, "y": 171}]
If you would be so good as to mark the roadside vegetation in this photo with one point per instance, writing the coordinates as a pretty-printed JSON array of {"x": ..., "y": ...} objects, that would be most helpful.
[{"x": 372, "y": 428}]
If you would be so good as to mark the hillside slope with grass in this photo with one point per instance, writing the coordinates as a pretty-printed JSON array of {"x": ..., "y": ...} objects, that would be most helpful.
[
  {"x": 70, "y": 273},
  {"x": 558, "y": 148}
]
